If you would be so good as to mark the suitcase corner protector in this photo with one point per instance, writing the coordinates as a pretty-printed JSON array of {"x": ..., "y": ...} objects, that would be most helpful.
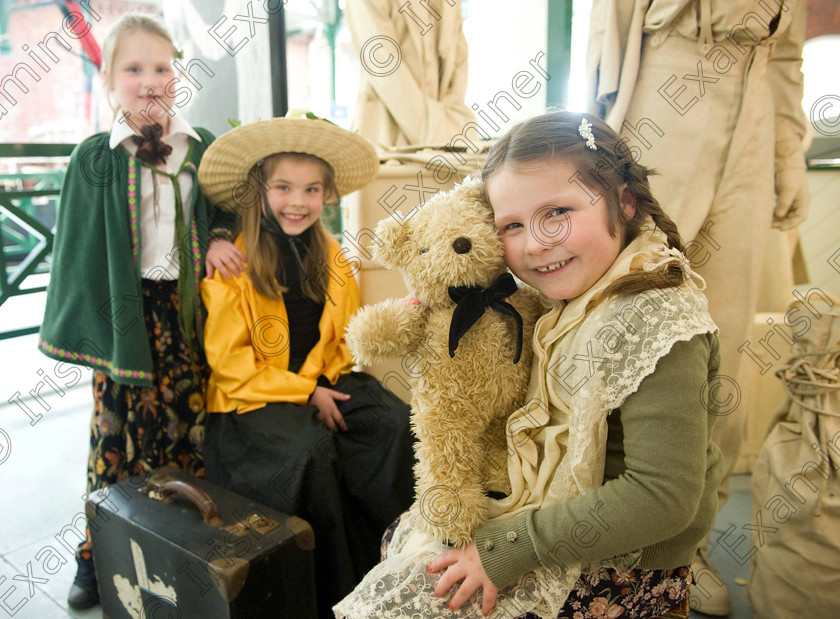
[
  {"x": 229, "y": 576},
  {"x": 304, "y": 535}
]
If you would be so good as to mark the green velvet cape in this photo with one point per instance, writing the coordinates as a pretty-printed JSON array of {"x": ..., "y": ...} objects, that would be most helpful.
[{"x": 94, "y": 312}]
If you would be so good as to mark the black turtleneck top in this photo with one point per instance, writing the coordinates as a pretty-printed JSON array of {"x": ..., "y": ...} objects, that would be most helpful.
[{"x": 303, "y": 313}]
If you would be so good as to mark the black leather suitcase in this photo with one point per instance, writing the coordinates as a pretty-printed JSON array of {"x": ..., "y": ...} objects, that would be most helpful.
[{"x": 170, "y": 545}]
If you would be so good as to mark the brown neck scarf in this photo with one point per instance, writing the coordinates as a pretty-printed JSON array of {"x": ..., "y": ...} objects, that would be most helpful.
[{"x": 150, "y": 146}]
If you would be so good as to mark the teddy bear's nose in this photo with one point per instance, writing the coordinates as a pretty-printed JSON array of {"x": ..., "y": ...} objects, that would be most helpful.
[{"x": 461, "y": 245}]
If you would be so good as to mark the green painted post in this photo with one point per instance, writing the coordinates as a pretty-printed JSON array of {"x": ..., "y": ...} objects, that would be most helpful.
[
  {"x": 330, "y": 32},
  {"x": 559, "y": 51},
  {"x": 5, "y": 43}
]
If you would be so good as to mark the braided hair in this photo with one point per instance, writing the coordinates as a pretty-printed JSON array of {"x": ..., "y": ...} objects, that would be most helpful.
[{"x": 603, "y": 170}]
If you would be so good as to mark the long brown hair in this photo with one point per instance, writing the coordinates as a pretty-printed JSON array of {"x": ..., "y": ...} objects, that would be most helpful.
[
  {"x": 555, "y": 136},
  {"x": 261, "y": 247}
]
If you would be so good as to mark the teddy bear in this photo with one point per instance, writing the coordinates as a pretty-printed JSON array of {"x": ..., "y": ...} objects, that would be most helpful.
[{"x": 466, "y": 329}]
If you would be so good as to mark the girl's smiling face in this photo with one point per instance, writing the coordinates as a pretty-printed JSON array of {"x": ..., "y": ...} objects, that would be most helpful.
[
  {"x": 555, "y": 230},
  {"x": 295, "y": 193},
  {"x": 141, "y": 71}
]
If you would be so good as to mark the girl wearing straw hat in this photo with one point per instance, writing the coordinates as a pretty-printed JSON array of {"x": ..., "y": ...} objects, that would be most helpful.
[{"x": 296, "y": 428}]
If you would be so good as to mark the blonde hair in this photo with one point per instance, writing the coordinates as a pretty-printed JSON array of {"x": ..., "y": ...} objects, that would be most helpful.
[
  {"x": 125, "y": 25},
  {"x": 556, "y": 136},
  {"x": 261, "y": 247}
]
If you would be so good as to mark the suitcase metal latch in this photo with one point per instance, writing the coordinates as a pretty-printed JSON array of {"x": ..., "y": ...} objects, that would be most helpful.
[{"x": 258, "y": 523}]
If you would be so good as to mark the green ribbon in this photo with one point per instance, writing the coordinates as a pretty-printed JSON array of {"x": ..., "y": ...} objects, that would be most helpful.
[{"x": 186, "y": 279}]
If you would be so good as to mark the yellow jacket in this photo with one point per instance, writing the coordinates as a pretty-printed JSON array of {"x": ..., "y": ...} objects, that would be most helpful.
[{"x": 246, "y": 340}]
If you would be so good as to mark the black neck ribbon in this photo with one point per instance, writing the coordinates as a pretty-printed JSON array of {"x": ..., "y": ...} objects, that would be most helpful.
[
  {"x": 473, "y": 301},
  {"x": 292, "y": 248}
]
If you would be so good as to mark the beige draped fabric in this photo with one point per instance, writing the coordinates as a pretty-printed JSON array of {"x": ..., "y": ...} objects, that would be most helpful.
[
  {"x": 709, "y": 94},
  {"x": 796, "y": 484},
  {"x": 413, "y": 93}
]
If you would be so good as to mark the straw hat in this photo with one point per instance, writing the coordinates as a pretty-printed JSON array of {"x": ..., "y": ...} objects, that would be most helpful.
[{"x": 228, "y": 160}]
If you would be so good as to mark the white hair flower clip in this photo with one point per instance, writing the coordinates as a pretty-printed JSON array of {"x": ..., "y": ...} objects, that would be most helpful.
[{"x": 585, "y": 131}]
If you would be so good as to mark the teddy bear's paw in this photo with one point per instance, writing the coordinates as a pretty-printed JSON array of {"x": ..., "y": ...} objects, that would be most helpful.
[
  {"x": 455, "y": 537},
  {"x": 452, "y": 516},
  {"x": 360, "y": 345},
  {"x": 386, "y": 329}
]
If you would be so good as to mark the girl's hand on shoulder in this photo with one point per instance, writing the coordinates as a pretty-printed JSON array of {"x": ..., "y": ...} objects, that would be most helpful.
[
  {"x": 224, "y": 256},
  {"x": 328, "y": 412},
  {"x": 464, "y": 564}
]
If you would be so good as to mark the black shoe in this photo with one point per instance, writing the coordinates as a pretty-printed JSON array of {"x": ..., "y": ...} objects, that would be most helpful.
[
  {"x": 80, "y": 598},
  {"x": 83, "y": 592}
]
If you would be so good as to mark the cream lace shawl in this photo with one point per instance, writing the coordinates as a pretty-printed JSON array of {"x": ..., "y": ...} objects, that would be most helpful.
[{"x": 589, "y": 357}]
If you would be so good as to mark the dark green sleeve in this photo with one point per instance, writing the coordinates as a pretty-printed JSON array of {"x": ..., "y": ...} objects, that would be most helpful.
[
  {"x": 223, "y": 222},
  {"x": 665, "y": 443},
  {"x": 80, "y": 249},
  {"x": 94, "y": 311}
]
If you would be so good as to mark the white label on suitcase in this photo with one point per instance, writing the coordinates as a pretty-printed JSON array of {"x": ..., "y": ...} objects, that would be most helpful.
[
  {"x": 148, "y": 596},
  {"x": 139, "y": 565}
]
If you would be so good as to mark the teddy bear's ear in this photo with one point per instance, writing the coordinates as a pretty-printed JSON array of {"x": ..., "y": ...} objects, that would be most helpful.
[
  {"x": 472, "y": 186},
  {"x": 393, "y": 236},
  {"x": 472, "y": 190}
]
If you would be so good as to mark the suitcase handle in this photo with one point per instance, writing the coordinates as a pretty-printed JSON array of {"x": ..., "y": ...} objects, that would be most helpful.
[{"x": 198, "y": 497}]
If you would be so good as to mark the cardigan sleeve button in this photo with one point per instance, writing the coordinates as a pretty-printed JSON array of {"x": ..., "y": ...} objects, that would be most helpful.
[
  {"x": 511, "y": 536},
  {"x": 488, "y": 545}
]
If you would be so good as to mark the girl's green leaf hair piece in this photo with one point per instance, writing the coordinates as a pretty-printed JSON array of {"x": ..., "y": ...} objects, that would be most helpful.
[{"x": 312, "y": 116}]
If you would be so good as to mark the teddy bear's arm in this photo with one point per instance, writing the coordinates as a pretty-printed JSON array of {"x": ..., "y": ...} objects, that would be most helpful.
[{"x": 386, "y": 329}]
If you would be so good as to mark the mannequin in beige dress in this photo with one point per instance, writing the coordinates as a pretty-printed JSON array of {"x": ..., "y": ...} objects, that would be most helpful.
[
  {"x": 414, "y": 71},
  {"x": 709, "y": 94}
]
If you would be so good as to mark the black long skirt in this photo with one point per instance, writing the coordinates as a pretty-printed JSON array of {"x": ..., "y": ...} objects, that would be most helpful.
[{"x": 348, "y": 485}]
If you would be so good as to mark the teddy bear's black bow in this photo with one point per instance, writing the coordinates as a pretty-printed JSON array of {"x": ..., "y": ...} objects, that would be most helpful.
[{"x": 473, "y": 301}]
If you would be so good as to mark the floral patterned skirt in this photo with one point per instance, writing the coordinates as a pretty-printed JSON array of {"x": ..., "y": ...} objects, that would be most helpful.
[
  {"x": 611, "y": 593},
  {"x": 608, "y": 593},
  {"x": 136, "y": 429}
]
